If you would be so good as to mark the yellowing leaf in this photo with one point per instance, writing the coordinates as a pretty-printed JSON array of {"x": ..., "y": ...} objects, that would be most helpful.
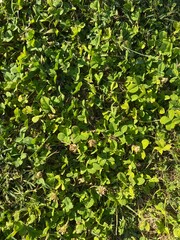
[
  {"x": 164, "y": 120},
  {"x": 35, "y": 119},
  {"x": 59, "y": 181},
  {"x": 20, "y": 98},
  {"x": 131, "y": 192},
  {"x": 143, "y": 154},
  {"x": 77, "y": 28},
  {"x": 17, "y": 113},
  {"x": 171, "y": 114},
  {"x": 161, "y": 143},
  {"x": 132, "y": 88},
  {"x": 159, "y": 149},
  {"x": 167, "y": 147},
  {"x": 176, "y": 232},
  {"x": 145, "y": 143},
  {"x": 161, "y": 111},
  {"x": 125, "y": 106},
  {"x": 154, "y": 180},
  {"x": 27, "y": 110}
]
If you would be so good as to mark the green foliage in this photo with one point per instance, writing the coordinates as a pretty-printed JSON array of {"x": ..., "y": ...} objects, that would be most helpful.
[{"x": 90, "y": 114}]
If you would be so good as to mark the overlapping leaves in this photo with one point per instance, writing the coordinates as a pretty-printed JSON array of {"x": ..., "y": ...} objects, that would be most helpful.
[{"x": 90, "y": 113}]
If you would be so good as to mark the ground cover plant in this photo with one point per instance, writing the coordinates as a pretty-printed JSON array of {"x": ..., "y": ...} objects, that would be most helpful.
[{"x": 90, "y": 114}]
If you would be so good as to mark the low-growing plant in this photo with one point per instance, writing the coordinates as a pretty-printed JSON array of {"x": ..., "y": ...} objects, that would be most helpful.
[{"x": 90, "y": 114}]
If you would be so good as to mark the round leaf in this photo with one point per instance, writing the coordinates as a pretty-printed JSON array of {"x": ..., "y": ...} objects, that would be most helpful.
[{"x": 145, "y": 143}]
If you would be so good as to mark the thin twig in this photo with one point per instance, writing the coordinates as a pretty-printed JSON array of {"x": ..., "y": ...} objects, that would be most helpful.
[{"x": 141, "y": 54}]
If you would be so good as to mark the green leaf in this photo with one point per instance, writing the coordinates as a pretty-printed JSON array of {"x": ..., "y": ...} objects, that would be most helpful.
[
  {"x": 18, "y": 162},
  {"x": 84, "y": 135},
  {"x": 59, "y": 181},
  {"x": 132, "y": 88},
  {"x": 35, "y": 119},
  {"x": 170, "y": 126},
  {"x": 140, "y": 181},
  {"x": 167, "y": 147},
  {"x": 159, "y": 149},
  {"x": 8, "y": 36},
  {"x": 113, "y": 145},
  {"x": 118, "y": 134},
  {"x": 154, "y": 180},
  {"x": 96, "y": 166},
  {"x": 164, "y": 120},
  {"x": 95, "y": 5},
  {"x": 61, "y": 136},
  {"x": 45, "y": 103},
  {"x": 145, "y": 143},
  {"x": 80, "y": 228},
  {"x": 76, "y": 139},
  {"x": 67, "y": 204},
  {"x": 122, "y": 177},
  {"x": 176, "y": 232},
  {"x": 16, "y": 215},
  {"x": 28, "y": 140},
  {"x": 125, "y": 106},
  {"x": 98, "y": 77},
  {"x": 160, "y": 207},
  {"x": 134, "y": 97},
  {"x": 31, "y": 219},
  {"x": 77, "y": 28},
  {"x": 171, "y": 114},
  {"x": 17, "y": 113},
  {"x": 27, "y": 110},
  {"x": 75, "y": 130},
  {"x": 41, "y": 181},
  {"x": 30, "y": 34},
  {"x": 56, "y": 3},
  {"x": 78, "y": 87},
  {"x": 161, "y": 142},
  {"x": 122, "y": 201},
  {"x": 124, "y": 128},
  {"x": 161, "y": 111},
  {"x": 89, "y": 203},
  {"x": 143, "y": 154},
  {"x": 108, "y": 33},
  {"x": 23, "y": 155},
  {"x": 176, "y": 121},
  {"x": 92, "y": 169}
]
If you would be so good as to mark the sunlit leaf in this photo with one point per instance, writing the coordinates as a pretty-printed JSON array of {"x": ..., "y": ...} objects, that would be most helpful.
[
  {"x": 35, "y": 119},
  {"x": 145, "y": 143},
  {"x": 67, "y": 204}
]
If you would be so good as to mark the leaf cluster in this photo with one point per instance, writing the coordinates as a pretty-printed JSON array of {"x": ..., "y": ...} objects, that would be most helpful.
[{"x": 90, "y": 114}]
